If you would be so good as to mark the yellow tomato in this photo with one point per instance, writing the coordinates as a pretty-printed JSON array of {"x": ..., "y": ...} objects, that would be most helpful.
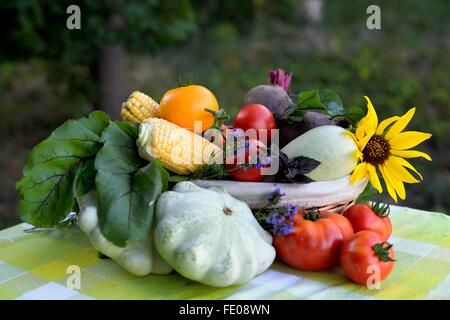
[{"x": 185, "y": 105}]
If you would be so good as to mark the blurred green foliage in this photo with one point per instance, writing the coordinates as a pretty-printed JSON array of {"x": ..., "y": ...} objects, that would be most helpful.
[
  {"x": 37, "y": 29},
  {"x": 229, "y": 46}
]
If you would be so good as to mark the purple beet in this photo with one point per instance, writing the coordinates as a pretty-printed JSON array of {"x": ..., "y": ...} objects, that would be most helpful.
[{"x": 271, "y": 96}]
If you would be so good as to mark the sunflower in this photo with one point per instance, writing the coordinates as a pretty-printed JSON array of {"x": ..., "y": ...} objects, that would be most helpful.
[{"x": 383, "y": 148}]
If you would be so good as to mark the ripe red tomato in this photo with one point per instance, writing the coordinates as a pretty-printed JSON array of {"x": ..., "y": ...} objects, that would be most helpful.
[
  {"x": 255, "y": 116},
  {"x": 251, "y": 173},
  {"x": 316, "y": 241},
  {"x": 363, "y": 217},
  {"x": 363, "y": 252}
]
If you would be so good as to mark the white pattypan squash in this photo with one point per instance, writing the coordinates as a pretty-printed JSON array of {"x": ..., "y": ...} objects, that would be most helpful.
[
  {"x": 137, "y": 257},
  {"x": 210, "y": 237}
]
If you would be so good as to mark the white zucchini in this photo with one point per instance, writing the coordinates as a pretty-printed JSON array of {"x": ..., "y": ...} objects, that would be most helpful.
[{"x": 329, "y": 145}]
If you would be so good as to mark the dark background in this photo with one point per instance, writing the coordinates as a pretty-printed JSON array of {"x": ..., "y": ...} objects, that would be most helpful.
[{"x": 49, "y": 73}]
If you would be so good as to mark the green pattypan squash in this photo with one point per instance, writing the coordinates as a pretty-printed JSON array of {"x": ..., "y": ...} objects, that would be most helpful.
[
  {"x": 210, "y": 237},
  {"x": 137, "y": 257}
]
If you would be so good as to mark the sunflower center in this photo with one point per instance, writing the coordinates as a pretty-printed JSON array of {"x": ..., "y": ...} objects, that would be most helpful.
[{"x": 376, "y": 150}]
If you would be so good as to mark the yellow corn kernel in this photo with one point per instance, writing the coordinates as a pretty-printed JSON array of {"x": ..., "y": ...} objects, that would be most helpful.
[
  {"x": 180, "y": 150},
  {"x": 139, "y": 107}
]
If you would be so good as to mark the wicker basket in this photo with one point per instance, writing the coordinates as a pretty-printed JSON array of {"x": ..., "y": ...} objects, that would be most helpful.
[{"x": 334, "y": 195}]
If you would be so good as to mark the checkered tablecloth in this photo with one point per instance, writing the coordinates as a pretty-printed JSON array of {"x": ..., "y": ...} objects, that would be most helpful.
[{"x": 34, "y": 265}]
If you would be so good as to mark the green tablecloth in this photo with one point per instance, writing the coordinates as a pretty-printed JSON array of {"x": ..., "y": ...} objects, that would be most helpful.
[{"x": 35, "y": 266}]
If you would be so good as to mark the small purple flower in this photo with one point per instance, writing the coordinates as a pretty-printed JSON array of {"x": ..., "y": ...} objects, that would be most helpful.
[
  {"x": 283, "y": 229},
  {"x": 266, "y": 160},
  {"x": 275, "y": 219},
  {"x": 276, "y": 195},
  {"x": 259, "y": 165},
  {"x": 291, "y": 210}
]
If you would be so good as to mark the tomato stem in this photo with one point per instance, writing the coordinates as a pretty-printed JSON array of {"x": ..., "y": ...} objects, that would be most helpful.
[
  {"x": 185, "y": 82},
  {"x": 382, "y": 251},
  {"x": 311, "y": 214},
  {"x": 381, "y": 210},
  {"x": 219, "y": 117}
]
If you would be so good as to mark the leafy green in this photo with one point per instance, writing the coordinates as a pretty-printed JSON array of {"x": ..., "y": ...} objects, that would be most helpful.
[
  {"x": 368, "y": 193},
  {"x": 87, "y": 154},
  {"x": 354, "y": 114},
  {"x": 57, "y": 170},
  {"x": 326, "y": 100},
  {"x": 85, "y": 178},
  {"x": 309, "y": 100},
  {"x": 127, "y": 186},
  {"x": 331, "y": 102},
  {"x": 175, "y": 178}
]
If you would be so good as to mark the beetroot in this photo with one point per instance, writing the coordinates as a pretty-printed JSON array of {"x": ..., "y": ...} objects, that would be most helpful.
[
  {"x": 281, "y": 78},
  {"x": 272, "y": 97}
]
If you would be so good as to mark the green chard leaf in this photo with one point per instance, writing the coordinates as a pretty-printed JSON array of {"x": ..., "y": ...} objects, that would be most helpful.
[
  {"x": 85, "y": 178},
  {"x": 127, "y": 186},
  {"x": 331, "y": 102},
  {"x": 354, "y": 114},
  {"x": 55, "y": 171},
  {"x": 309, "y": 100},
  {"x": 326, "y": 100}
]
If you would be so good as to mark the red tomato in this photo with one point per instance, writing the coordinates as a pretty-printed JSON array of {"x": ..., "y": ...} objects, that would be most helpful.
[
  {"x": 363, "y": 217},
  {"x": 255, "y": 116},
  {"x": 316, "y": 241},
  {"x": 362, "y": 252},
  {"x": 251, "y": 173}
]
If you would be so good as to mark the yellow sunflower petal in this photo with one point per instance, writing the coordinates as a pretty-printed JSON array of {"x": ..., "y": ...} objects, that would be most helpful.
[
  {"x": 358, "y": 154},
  {"x": 351, "y": 136},
  {"x": 389, "y": 183},
  {"x": 399, "y": 171},
  {"x": 395, "y": 179},
  {"x": 367, "y": 125},
  {"x": 410, "y": 154},
  {"x": 359, "y": 172},
  {"x": 408, "y": 139},
  {"x": 362, "y": 143},
  {"x": 400, "y": 124},
  {"x": 374, "y": 180},
  {"x": 406, "y": 164},
  {"x": 386, "y": 123}
]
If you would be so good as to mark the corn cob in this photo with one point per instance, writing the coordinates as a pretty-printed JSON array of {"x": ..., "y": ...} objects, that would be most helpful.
[
  {"x": 180, "y": 150},
  {"x": 139, "y": 107}
]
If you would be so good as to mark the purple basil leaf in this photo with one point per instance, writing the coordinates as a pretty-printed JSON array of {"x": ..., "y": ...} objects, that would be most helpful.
[
  {"x": 302, "y": 165},
  {"x": 301, "y": 178}
]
